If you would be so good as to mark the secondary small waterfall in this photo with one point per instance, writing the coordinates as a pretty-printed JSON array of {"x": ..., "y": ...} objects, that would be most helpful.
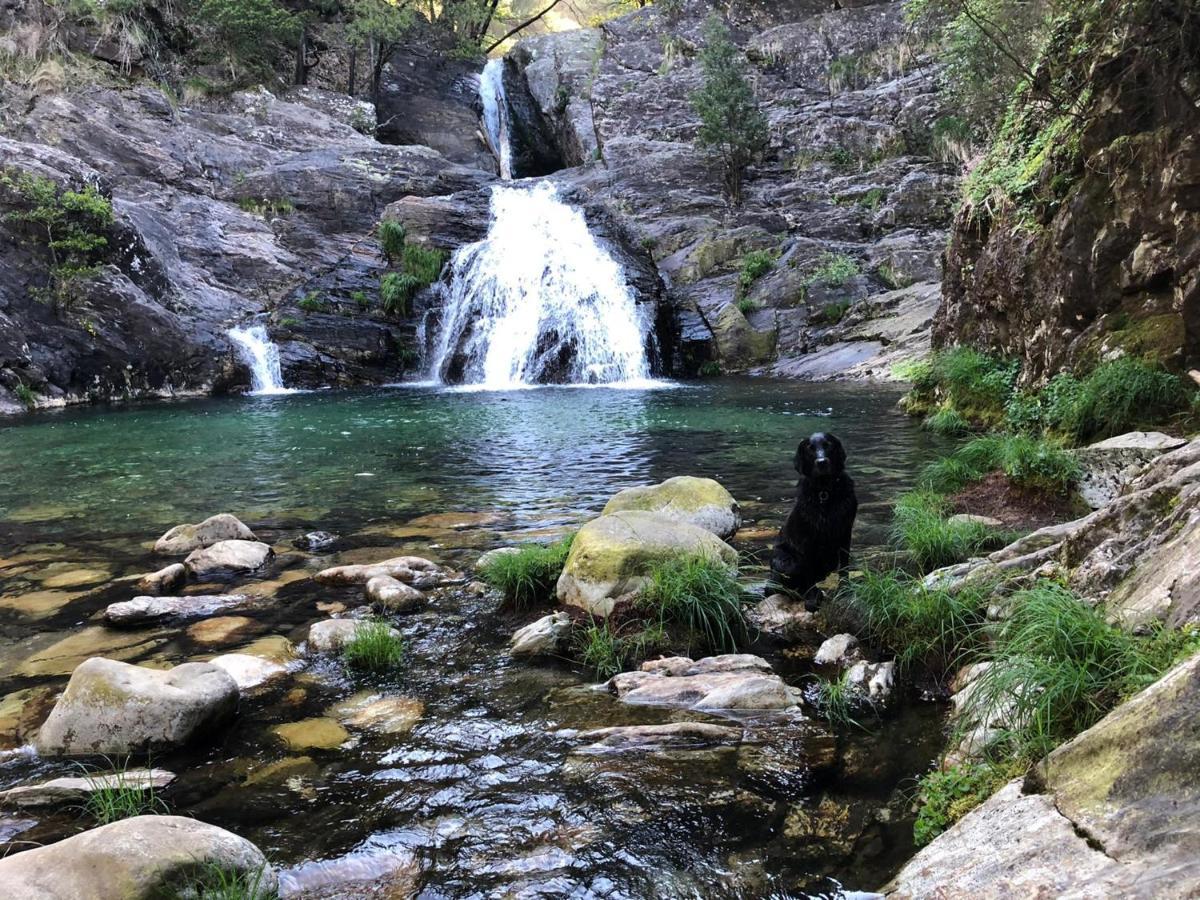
[
  {"x": 262, "y": 356},
  {"x": 538, "y": 301},
  {"x": 495, "y": 114}
]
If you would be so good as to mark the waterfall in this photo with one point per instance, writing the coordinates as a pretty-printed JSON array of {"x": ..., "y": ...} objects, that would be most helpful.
[
  {"x": 538, "y": 301},
  {"x": 495, "y": 114},
  {"x": 262, "y": 356}
]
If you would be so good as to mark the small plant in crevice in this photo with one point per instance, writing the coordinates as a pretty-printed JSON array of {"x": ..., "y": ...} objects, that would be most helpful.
[
  {"x": 312, "y": 302},
  {"x": 755, "y": 265},
  {"x": 396, "y": 291},
  {"x": 216, "y": 881},
  {"x": 392, "y": 237},
  {"x": 117, "y": 794},
  {"x": 837, "y": 701},
  {"x": 746, "y": 306},
  {"x": 834, "y": 270},
  {"x": 872, "y": 199},
  {"x": 528, "y": 575},
  {"x": 375, "y": 648},
  {"x": 25, "y": 395},
  {"x": 266, "y": 207},
  {"x": 698, "y": 599},
  {"x": 832, "y": 313},
  {"x": 709, "y": 369},
  {"x": 945, "y": 796}
]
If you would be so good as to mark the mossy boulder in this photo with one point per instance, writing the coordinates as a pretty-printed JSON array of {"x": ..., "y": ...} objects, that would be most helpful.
[
  {"x": 612, "y": 555},
  {"x": 695, "y": 501}
]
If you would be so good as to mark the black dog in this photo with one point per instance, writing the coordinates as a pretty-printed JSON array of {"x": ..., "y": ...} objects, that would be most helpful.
[{"x": 815, "y": 540}]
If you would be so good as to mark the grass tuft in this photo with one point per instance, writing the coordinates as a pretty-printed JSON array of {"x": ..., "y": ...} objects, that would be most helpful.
[
  {"x": 948, "y": 421},
  {"x": 922, "y": 527},
  {"x": 837, "y": 702},
  {"x": 1028, "y": 462},
  {"x": 374, "y": 648},
  {"x": 528, "y": 576},
  {"x": 116, "y": 795},
  {"x": 608, "y": 650},
  {"x": 700, "y": 597},
  {"x": 220, "y": 882}
]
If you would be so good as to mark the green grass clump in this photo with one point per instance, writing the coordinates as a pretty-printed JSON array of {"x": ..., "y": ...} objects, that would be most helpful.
[
  {"x": 24, "y": 393},
  {"x": 930, "y": 629},
  {"x": 528, "y": 576},
  {"x": 220, "y": 882},
  {"x": 117, "y": 795},
  {"x": 396, "y": 291},
  {"x": 837, "y": 702},
  {"x": 1116, "y": 397},
  {"x": 423, "y": 263},
  {"x": 947, "y": 420},
  {"x": 922, "y": 526},
  {"x": 392, "y": 237},
  {"x": 699, "y": 598},
  {"x": 1028, "y": 462},
  {"x": 1058, "y": 667},
  {"x": 834, "y": 270},
  {"x": 312, "y": 302},
  {"x": 266, "y": 207},
  {"x": 976, "y": 384},
  {"x": 755, "y": 265},
  {"x": 746, "y": 306},
  {"x": 374, "y": 648},
  {"x": 873, "y": 198},
  {"x": 945, "y": 797},
  {"x": 608, "y": 650},
  {"x": 832, "y": 313}
]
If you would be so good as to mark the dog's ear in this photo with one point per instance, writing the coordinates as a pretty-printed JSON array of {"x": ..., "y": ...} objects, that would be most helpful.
[
  {"x": 803, "y": 460},
  {"x": 838, "y": 452}
]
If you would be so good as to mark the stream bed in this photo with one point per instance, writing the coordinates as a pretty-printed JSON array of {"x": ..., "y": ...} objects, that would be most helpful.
[{"x": 487, "y": 795}]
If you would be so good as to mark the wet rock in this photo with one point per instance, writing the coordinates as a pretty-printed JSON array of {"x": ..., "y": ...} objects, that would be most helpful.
[
  {"x": 146, "y": 610},
  {"x": 21, "y": 712},
  {"x": 970, "y": 519},
  {"x": 333, "y": 634},
  {"x": 165, "y": 579},
  {"x": 391, "y": 874},
  {"x": 62, "y": 657},
  {"x": 545, "y": 637},
  {"x": 486, "y": 559},
  {"x": 114, "y": 707},
  {"x": 393, "y": 595},
  {"x": 702, "y": 502},
  {"x": 611, "y": 556},
  {"x": 731, "y": 682},
  {"x": 872, "y": 681},
  {"x": 136, "y": 859},
  {"x": 249, "y": 671},
  {"x": 669, "y": 736},
  {"x": 185, "y": 538},
  {"x": 1110, "y": 465},
  {"x": 370, "y": 711},
  {"x": 233, "y": 556},
  {"x": 412, "y": 570},
  {"x": 839, "y": 650},
  {"x": 76, "y": 790},
  {"x": 830, "y": 828},
  {"x": 315, "y": 541},
  {"x": 221, "y": 630},
  {"x": 319, "y": 733},
  {"x": 784, "y": 618}
]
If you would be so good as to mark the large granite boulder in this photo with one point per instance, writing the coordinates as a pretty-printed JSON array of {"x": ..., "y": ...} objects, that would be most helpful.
[
  {"x": 231, "y": 557},
  {"x": 612, "y": 555},
  {"x": 142, "y": 858},
  {"x": 185, "y": 538},
  {"x": 115, "y": 707},
  {"x": 702, "y": 502}
]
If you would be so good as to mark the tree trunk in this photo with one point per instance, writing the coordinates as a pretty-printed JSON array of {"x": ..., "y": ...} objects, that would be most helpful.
[{"x": 301, "y": 73}]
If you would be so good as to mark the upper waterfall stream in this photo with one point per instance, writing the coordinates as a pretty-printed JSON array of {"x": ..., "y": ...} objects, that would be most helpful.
[{"x": 539, "y": 301}]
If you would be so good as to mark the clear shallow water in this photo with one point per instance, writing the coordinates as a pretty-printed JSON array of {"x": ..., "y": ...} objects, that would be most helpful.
[{"x": 486, "y": 797}]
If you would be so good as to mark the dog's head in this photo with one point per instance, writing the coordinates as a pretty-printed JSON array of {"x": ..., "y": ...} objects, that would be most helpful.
[{"x": 820, "y": 456}]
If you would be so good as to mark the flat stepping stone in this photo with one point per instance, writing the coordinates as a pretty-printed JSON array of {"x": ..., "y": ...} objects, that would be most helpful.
[
  {"x": 144, "y": 610},
  {"x": 732, "y": 682},
  {"x": 62, "y": 791}
]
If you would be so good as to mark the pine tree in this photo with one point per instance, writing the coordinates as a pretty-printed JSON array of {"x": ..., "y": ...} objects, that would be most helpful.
[{"x": 731, "y": 121}]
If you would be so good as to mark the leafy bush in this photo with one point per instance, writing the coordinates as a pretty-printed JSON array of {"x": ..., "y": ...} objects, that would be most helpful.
[
  {"x": 251, "y": 32},
  {"x": 731, "y": 121},
  {"x": 700, "y": 597},
  {"x": 923, "y": 528},
  {"x": 755, "y": 265},
  {"x": 834, "y": 270},
  {"x": 392, "y": 236},
  {"x": 1058, "y": 667},
  {"x": 931, "y": 629},
  {"x": 312, "y": 302},
  {"x": 115, "y": 795},
  {"x": 528, "y": 576},
  {"x": 374, "y": 648},
  {"x": 1028, "y": 462},
  {"x": 945, "y": 797},
  {"x": 396, "y": 291}
]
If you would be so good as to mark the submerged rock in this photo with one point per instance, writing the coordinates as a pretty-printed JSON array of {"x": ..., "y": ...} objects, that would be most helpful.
[
  {"x": 319, "y": 733},
  {"x": 612, "y": 555},
  {"x": 732, "y": 682},
  {"x": 315, "y": 541},
  {"x": 144, "y": 610},
  {"x": 186, "y": 538},
  {"x": 668, "y": 736},
  {"x": 784, "y": 618},
  {"x": 545, "y": 637},
  {"x": 249, "y": 671},
  {"x": 165, "y": 579},
  {"x": 114, "y": 707},
  {"x": 392, "y": 595},
  {"x": 62, "y": 791},
  {"x": 413, "y": 570},
  {"x": 370, "y": 711},
  {"x": 228, "y": 556},
  {"x": 135, "y": 859},
  {"x": 702, "y": 502}
]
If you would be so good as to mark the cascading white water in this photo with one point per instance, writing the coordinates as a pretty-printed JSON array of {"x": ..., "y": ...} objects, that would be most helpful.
[
  {"x": 262, "y": 356},
  {"x": 495, "y": 114},
  {"x": 538, "y": 300}
]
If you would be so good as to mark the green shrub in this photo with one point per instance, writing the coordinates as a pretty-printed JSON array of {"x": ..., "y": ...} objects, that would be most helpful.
[
  {"x": 312, "y": 302},
  {"x": 25, "y": 395},
  {"x": 1116, "y": 397},
  {"x": 252, "y": 32},
  {"x": 944, "y": 797},
  {"x": 833, "y": 313},
  {"x": 115, "y": 795},
  {"x": 947, "y": 420},
  {"x": 923, "y": 528},
  {"x": 607, "y": 650},
  {"x": 699, "y": 597},
  {"x": 976, "y": 384},
  {"x": 746, "y": 306},
  {"x": 361, "y": 300},
  {"x": 396, "y": 291},
  {"x": 930, "y": 629},
  {"x": 392, "y": 236},
  {"x": 423, "y": 263},
  {"x": 1026, "y": 461},
  {"x": 374, "y": 648},
  {"x": 755, "y": 265},
  {"x": 709, "y": 369},
  {"x": 834, "y": 270},
  {"x": 528, "y": 576},
  {"x": 1058, "y": 667},
  {"x": 266, "y": 207},
  {"x": 873, "y": 198}
]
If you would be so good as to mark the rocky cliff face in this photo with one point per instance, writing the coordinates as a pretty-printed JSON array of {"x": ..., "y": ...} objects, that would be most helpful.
[
  {"x": 1099, "y": 254},
  {"x": 846, "y": 201}
]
